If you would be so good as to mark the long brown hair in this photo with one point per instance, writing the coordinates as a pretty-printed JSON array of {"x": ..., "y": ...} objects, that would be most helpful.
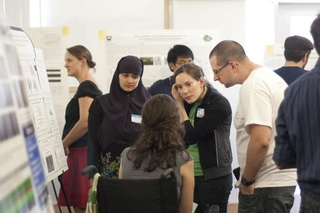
[{"x": 162, "y": 134}]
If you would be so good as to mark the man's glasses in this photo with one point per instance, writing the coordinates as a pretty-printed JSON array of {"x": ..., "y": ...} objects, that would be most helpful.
[
  {"x": 183, "y": 62},
  {"x": 217, "y": 71}
]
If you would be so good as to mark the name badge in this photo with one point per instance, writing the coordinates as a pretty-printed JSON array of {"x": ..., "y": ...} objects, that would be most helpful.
[
  {"x": 200, "y": 112},
  {"x": 136, "y": 118}
]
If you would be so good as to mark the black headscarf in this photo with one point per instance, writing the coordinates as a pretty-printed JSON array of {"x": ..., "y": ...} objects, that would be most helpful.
[{"x": 119, "y": 105}]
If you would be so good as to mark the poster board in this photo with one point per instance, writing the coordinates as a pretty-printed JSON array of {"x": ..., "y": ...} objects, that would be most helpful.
[
  {"x": 41, "y": 104},
  {"x": 53, "y": 43},
  {"x": 22, "y": 180},
  {"x": 152, "y": 47}
]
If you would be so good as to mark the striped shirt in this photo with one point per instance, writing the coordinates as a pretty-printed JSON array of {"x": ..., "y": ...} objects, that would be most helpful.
[{"x": 298, "y": 130}]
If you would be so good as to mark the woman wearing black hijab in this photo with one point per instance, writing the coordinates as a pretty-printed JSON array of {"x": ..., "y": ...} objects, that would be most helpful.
[{"x": 114, "y": 118}]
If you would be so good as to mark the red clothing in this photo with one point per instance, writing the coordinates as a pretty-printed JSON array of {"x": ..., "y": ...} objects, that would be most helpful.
[{"x": 75, "y": 184}]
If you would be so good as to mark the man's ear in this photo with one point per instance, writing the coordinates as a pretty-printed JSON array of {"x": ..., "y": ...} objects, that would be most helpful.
[
  {"x": 305, "y": 57},
  {"x": 234, "y": 66},
  {"x": 172, "y": 66}
]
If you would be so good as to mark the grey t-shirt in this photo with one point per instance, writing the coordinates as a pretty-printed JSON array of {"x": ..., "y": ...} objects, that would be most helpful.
[{"x": 128, "y": 172}]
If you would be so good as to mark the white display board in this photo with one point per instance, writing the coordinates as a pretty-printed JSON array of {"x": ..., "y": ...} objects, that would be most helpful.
[
  {"x": 152, "y": 47},
  {"x": 53, "y": 43},
  {"x": 22, "y": 177},
  {"x": 41, "y": 104}
]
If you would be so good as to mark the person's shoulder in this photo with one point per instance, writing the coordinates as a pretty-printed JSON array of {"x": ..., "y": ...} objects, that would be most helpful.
[
  {"x": 185, "y": 155},
  {"x": 279, "y": 70},
  {"x": 309, "y": 76},
  {"x": 88, "y": 84},
  {"x": 96, "y": 108},
  {"x": 88, "y": 88},
  {"x": 215, "y": 95},
  {"x": 159, "y": 82},
  {"x": 159, "y": 86},
  {"x": 263, "y": 76}
]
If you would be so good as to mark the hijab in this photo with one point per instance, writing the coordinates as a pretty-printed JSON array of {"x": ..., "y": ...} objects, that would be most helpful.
[{"x": 120, "y": 105}]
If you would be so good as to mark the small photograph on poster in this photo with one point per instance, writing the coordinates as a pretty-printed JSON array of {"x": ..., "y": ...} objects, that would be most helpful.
[
  {"x": 147, "y": 60},
  {"x": 5, "y": 95},
  {"x": 34, "y": 78},
  {"x": 50, "y": 164}
]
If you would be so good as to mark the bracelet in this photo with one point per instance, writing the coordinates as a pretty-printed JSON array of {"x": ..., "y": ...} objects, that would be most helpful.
[{"x": 245, "y": 182}]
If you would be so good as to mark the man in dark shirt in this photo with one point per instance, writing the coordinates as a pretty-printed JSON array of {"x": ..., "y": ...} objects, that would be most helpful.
[
  {"x": 178, "y": 55},
  {"x": 296, "y": 51},
  {"x": 298, "y": 135}
]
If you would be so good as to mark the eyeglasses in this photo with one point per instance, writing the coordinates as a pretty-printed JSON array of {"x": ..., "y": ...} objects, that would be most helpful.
[
  {"x": 182, "y": 62},
  {"x": 217, "y": 71}
]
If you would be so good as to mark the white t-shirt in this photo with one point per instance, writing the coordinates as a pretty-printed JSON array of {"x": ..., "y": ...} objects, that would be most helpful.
[{"x": 259, "y": 99}]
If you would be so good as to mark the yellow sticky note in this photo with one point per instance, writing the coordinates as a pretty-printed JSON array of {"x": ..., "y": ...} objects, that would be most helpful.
[
  {"x": 101, "y": 34},
  {"x": 270, "y": 49},
  {"x": 65, "y": 30}
]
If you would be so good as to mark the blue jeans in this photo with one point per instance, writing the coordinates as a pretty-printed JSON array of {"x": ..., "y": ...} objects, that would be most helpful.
[
  {"x": 267, "y": 200},
  {"x": 210, "y": 192},
  {"x": 310, "y": 202}
]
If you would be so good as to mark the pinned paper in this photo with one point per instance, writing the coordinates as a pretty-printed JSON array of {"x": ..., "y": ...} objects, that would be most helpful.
[
  {"x": 65, "y": 30},
  {"x": 101, "y": 34},
  {"x": 270, "y": 49}
]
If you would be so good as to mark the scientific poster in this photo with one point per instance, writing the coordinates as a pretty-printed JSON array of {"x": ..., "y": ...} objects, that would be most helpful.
[
  {"x": 22, "y": 180},
  {"x": 152, "y": 47},
  {"x": 41, "y": 103},
  {"x": 53, "y": 43}
]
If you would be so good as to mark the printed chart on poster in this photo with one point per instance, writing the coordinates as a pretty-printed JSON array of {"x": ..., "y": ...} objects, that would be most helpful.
[
  {"x": 41, "y": 105},
  {"x": 22, "y": 177}
]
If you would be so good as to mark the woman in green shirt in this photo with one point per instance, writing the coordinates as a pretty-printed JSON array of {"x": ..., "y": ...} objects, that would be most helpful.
[{"x": 206, "y": 115}]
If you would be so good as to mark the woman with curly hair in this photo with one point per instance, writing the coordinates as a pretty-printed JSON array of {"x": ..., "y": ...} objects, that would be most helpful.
[{"x": 160, "y": 146}]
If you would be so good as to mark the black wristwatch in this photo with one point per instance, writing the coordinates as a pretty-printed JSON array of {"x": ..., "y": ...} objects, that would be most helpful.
[{"x": 245, "y": 182}]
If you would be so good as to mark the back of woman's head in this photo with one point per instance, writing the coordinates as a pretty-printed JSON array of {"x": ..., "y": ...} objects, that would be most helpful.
[
  {"x": 160, "y": 113},
  {"x": 162, "y": 134}
]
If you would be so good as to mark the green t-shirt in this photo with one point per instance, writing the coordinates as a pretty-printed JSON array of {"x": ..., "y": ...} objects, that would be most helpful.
[{"x": 193, "y": 149}]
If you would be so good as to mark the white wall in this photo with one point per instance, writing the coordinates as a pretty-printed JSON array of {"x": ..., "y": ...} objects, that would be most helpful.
[
  {"x": 16, "y": 12},
  {"x": 284, "y": 14},
  {"x": 85, "y": 18}
]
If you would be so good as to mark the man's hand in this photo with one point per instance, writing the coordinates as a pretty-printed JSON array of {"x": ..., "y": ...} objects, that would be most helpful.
[{"x": 247, "y": 190}]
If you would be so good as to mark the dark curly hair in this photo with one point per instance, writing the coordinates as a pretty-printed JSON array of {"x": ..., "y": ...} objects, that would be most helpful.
[{"x": 162, "y": 134}]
